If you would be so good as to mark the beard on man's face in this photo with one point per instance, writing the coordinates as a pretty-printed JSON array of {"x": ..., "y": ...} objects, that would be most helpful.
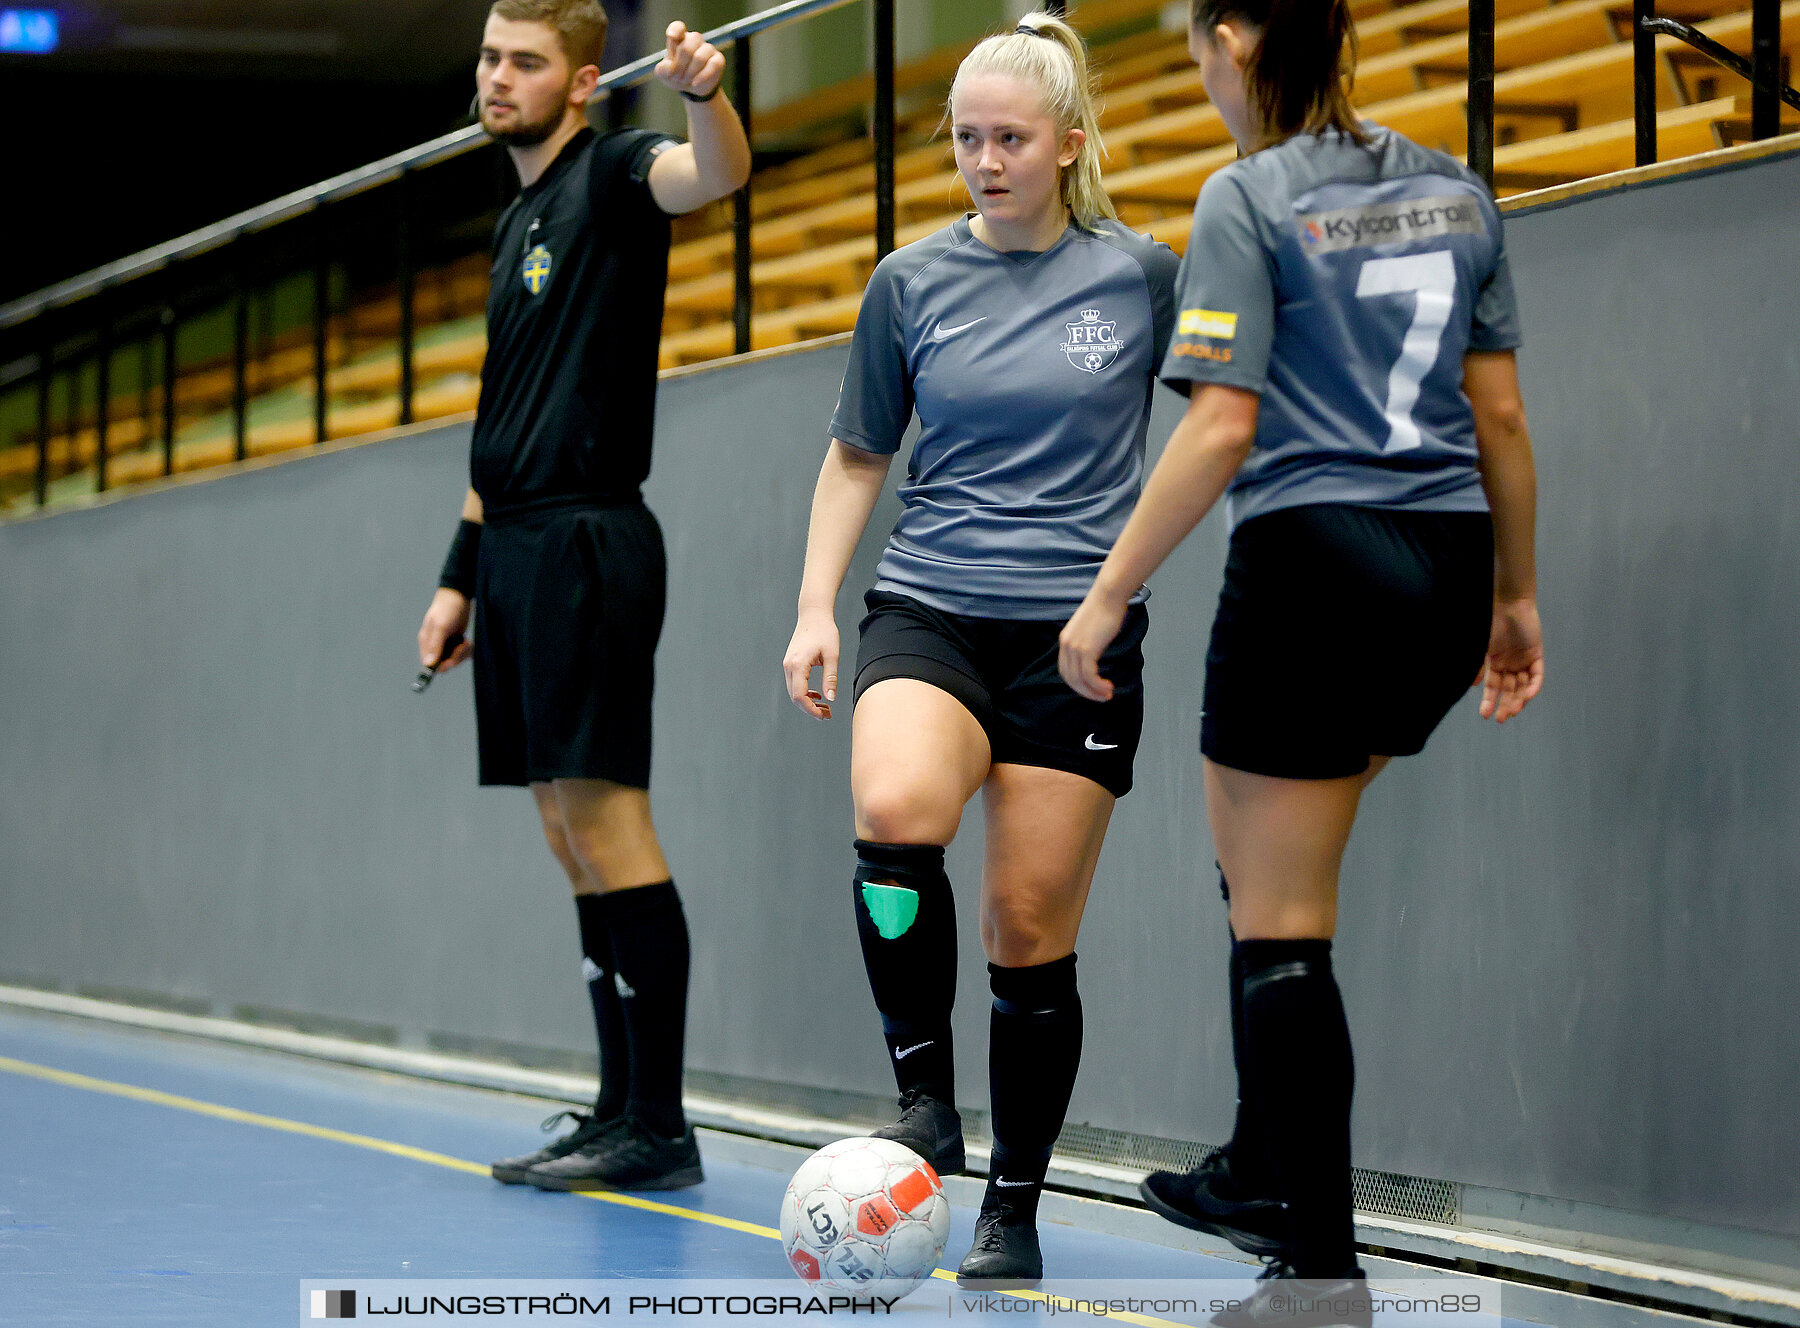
[{"x": 528, "y": 134}]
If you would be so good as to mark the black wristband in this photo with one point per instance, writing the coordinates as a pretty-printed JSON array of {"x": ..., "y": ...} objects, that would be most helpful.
[
  {"x": 459, "y": 563},
  {"x": 709, "y": 96}
]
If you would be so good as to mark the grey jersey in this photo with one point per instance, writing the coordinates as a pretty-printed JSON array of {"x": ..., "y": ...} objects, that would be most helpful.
[
  {"x": 1031, "y": 374},
  {"x": 1345, "y": 284}
]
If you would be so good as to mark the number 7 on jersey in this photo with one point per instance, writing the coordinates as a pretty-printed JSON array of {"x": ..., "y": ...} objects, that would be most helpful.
[{"x": 1432, "y": 278}]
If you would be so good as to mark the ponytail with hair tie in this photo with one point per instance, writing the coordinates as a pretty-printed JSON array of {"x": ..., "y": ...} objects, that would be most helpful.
[{"x": 1056, "y": 64}]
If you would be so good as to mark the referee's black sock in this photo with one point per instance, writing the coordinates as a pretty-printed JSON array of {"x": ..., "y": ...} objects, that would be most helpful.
[
  {"x": 650, "y": 954},
  {"x": 1034, "y": 1049},
  {"x": 1301, "y": 1076},
  {"x": 609, "y": 1014},
  {"x": 906, "y": 921}
]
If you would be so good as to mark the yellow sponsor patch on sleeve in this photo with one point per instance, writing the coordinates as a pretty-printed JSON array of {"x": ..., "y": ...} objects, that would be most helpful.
[{"x": 1207, "y": 323}]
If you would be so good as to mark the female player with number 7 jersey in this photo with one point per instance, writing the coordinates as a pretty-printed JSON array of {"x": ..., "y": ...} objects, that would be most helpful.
[{"x": 1345, "y": 333}]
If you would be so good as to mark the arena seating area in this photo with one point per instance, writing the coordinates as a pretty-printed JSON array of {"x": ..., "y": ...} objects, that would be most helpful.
[{"x": 1563, "y": 96}]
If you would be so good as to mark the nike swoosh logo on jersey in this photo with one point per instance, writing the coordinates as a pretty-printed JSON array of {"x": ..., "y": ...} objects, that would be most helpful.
[
  {"x": 1093, "y": 746},
  {"x": 945, "y": 333},
  {"x": 1012, "y": 1184},
  {"x": 902, "y": 1055}
]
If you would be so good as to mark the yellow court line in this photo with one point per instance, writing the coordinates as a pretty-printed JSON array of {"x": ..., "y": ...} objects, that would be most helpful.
[
  {"x": 156, "y": 1097},
  {"x": 217, "y": 1112}
]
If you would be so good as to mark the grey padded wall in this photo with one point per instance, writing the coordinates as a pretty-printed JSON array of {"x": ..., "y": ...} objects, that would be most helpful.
[{"x": 1566, "y": 946}]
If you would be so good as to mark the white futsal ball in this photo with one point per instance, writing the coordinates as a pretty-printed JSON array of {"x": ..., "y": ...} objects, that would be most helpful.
[{"x": 865, "y": 1216}]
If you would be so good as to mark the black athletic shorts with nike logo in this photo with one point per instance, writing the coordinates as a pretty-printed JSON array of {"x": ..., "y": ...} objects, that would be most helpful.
[{"x": 1004, "y": 673}]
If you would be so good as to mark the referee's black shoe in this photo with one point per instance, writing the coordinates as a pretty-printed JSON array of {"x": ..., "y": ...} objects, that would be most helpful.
[
  {"x": 1005, "y": 1254},
  {"x": 1283, "y": 1299},
  {"x": 931, "y": 1128},
  {"x": 632, "y": 1157},
  {"x": 1209, "y": 1198},
  {"x": 588, "y": 1128}
]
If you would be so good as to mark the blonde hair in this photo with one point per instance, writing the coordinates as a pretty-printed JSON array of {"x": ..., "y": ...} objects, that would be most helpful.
[
  {"x": 1048, "y": 54},
  {"x": 580, "y": 25}
]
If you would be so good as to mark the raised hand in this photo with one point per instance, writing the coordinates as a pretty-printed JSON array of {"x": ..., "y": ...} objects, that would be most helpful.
[{"x": 691, "y": 64}]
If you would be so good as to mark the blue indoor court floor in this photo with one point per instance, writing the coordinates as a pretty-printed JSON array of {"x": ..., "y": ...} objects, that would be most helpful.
[{"x": 160, "y": 1180}]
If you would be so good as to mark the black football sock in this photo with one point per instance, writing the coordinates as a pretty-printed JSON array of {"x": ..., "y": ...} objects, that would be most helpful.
[
  {"x": 650, "y": 955},
  {"x": 1235, "y": 980},
  {"x": 906, "y": 921},
  {"x": 1246, "y": 1148},
  {"x": 1301, "y": 1076},
  {"x": 609, "y": 1014},
  {"x": 1034, "y": 1049}
]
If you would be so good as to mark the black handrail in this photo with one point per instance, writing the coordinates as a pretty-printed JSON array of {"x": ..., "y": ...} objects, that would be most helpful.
[
  {"x": 363, "y": 178},
  {"x": 1773, "y": 85},
  {"x": 1767, "y": 90},
  {"x": 166, "y": 309}
]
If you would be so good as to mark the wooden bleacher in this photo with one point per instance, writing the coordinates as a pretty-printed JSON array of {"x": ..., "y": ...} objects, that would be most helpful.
[{"x": 1563, "y": 95}]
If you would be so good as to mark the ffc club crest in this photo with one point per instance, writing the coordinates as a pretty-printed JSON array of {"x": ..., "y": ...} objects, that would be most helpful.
[
  {"x": 537, "y": 269},
  {"x": 1092, "y": 344}
]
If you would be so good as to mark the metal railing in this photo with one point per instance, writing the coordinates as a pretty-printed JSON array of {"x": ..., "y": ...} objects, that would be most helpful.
[
  {"x": 1762, "y": 70},
  {"x": 149, "y": 298},
  {"x": 219, "y": 280},
  {"x": 1481, "y": 89}
]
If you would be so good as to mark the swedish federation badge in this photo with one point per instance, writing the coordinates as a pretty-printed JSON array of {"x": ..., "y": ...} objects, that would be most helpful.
[
  {"x": 1092, "y": 344},
  {"x": 537, "y": 269}
]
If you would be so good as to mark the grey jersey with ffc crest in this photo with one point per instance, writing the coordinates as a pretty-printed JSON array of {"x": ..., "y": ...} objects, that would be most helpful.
[
  {"x": 1344, "y": 284},
  {"x": 1031, "y": 374}
]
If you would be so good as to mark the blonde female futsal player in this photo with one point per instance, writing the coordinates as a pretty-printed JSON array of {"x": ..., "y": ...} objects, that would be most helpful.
[{"x": 1026, "y": 337}]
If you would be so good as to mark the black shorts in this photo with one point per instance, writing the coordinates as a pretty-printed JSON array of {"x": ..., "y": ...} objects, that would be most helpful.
[
  {"x": 1344, "y": 633},
  {"x": 1004, "y": 673},
  {"x": 569, "y": 606}
]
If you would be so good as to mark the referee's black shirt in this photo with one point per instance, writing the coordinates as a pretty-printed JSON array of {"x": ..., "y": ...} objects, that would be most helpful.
[{"x": 574, "y": 318}]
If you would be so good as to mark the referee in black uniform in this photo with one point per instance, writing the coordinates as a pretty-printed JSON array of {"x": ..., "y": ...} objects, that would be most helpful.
[{"x": 562, "y": 557}]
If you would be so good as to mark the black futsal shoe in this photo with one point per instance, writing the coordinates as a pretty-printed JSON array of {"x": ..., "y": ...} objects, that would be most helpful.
[
  {"x": 1209, "y": 1198},
  {"x": 511, "y": 1170},
  {"x": 1005, "y": 1255},
  {"x": 1283, "y": 1300},
  {"x": 632, "y": 1157},
  {"x": 931, "y": 1128}
]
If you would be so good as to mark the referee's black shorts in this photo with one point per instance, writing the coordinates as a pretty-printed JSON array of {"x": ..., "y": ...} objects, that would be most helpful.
[
  {"x": 1004, "y": 673},
  {"x": 569, "y": 606},
  {"x": 1344, "y": 633}
]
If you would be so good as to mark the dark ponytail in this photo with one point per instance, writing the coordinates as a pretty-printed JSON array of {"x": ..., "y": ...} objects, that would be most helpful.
[{"x": 1300, "y": 73}]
